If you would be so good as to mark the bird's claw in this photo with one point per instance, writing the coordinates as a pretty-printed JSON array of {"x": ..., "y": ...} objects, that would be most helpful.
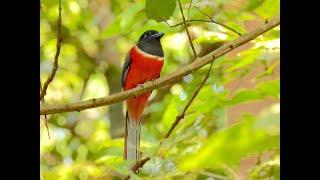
[{"x": 140, "y": 85}]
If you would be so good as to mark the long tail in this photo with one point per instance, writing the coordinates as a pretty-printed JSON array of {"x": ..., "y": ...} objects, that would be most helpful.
[{"x": 132, "y": 140}]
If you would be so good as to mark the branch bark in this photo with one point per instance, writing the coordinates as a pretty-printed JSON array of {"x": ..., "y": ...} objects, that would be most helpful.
[
  {"x": 173, "y": 77},
  {"x": 196, "y": 20},
  {"x": 139, "y": 164},
  {"x": 45, "y": 116},
  {"x": 186, "y": 27},
  {"x": 56, "y": 57},
  {"x": 221, "y": 24},
  {"x": 182, "y": 114}
]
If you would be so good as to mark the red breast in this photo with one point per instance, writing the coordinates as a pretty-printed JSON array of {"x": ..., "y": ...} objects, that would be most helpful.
[{"x": 144, "y": 67}]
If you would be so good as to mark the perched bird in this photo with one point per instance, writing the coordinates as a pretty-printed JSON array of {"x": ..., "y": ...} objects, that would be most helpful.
[{"x": 143, "y": 63}]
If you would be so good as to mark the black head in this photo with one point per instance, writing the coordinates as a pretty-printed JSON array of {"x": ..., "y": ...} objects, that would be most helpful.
[{"x": 149, "y": 42}]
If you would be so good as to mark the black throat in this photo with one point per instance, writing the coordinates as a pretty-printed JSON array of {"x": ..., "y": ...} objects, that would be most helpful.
[{"x": 152, "y": 47}]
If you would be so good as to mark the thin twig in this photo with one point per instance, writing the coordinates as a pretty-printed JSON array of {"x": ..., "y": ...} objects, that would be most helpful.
[
  {"x": 210, "y": 174},
  {"x": 195, "y": 20},
  {"x": 110, "y": 172},
  {"x": 40, "y": 89},
  {"x": 165, "y": 80},
  {"x": 158, "y": 17},
  {"x": 189, "y": 10},
  {"x": 139, "y": 164},
  {"x": 56, "y": 57},
  {"x": 178, "y": 24},
  {"x": 185, "y": 26},
  {"x": 45, "y": 116},
  {"x": 191, "y": 20},
  {"x": 182, "y": 114},
  {"x": 84, "y": 87},
  {"x": 231, "y": 171},
  {"x": 221, "y": 24}
]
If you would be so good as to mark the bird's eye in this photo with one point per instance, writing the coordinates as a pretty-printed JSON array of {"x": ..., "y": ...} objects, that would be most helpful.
[{"x": 147, "y": 34}]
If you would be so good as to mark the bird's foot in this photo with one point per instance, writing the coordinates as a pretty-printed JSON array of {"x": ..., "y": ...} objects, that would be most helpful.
[
  {"x": 155, "y": 78},
  {"x": 140, "y": 85}
]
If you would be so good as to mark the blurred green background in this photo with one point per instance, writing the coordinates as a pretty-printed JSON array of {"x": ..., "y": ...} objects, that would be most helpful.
[{"x": 231, "y": 130}]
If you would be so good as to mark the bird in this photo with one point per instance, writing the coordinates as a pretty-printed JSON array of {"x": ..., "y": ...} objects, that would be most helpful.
[{"x": 143, "y": 63}]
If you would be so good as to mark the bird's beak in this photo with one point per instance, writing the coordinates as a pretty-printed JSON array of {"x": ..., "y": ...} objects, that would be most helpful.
[{"x": 157, "y": 35}]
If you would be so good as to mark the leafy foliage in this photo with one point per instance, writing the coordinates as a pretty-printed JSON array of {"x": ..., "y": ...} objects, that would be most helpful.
[
  {"x": 123, "y": 21},
  {"x": 235, "y": 116},
  {"x": 250, "y": 136},
  {"x": 160, "y": 10}
]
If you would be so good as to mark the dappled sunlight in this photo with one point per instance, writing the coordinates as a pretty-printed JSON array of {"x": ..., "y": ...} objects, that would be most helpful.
[
  {"x": 270, "y": 45},
  {"x": 235, "y": 115}
]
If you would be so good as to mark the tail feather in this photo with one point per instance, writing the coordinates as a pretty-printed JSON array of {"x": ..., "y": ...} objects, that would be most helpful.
[{"x": 132, "y": 140}]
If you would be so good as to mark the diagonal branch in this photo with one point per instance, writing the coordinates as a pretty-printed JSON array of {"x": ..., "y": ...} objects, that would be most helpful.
[
  {"x": 139, "y": 164},
  {"x": 215, "y": 22},
  {"x": 189, "y": 9},
  {"x": 182, "y": 114},
  {"x": 185, "y": 26},
  {"x": 178, "y": 118},
  {"x": 84, "y": 87},
  {"x": 191, "y": 20},
  {"x": 195, "y": 20},
  {"x": 173, "y": 77},
  {"x": 56, "y": 57},
  {"x": 45, "y": 116},
  {"x": 134, "y": 168}
]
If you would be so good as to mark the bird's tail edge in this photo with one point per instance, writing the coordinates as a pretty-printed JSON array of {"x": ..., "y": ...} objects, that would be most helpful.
[{"x": 132, "y": 139}]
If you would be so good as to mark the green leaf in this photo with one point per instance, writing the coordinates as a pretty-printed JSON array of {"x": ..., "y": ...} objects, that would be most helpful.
[
  {"x": 253, "y": 4},
  {"x": 123, "y": 22},
  {"x": 246, "y": 58},
  {"x": 114, "y": 162},
  {"x": 160, "y": 10},
  {"x": 269, "y": 88},
  {"x": 215, "y": 94},
  {"x": 271, "y": 35},
  {"x": 170, "y": 113},
  {"x": 269, "y": 71},
  {"x": 229, "y": 146},
  {"x": 268, "y": 9},
  {"x": 245, "y": 95},
  {"x": 152, "y": 24}
]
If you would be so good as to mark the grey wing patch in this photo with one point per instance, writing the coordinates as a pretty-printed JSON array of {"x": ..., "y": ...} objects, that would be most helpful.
[{"x": 125, "y": 69}]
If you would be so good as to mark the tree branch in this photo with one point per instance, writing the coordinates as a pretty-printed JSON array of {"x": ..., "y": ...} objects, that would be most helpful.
[
  {"x": 196, "y": 20},
  {"x": 221, "y": 24},
  {"x": 85, "y": 83},
  {"x": 210, "y": 174},
  {"x": 173, "y": 77},
  {"x": 139, "y": 164},
  {"x": 84, "y": 87},
  {"x": 45, "y": 116},
  {"x": 185, "y": 26},
  {"x": 56, "y": 57},
  {"x": 181, "y": 115},
  {"x": 189, "y": 9},
  {"x": 134, "y": 168}
]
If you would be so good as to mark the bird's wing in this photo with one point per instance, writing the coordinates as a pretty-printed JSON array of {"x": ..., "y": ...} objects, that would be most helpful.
[{"x": 125, "y": 69}]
